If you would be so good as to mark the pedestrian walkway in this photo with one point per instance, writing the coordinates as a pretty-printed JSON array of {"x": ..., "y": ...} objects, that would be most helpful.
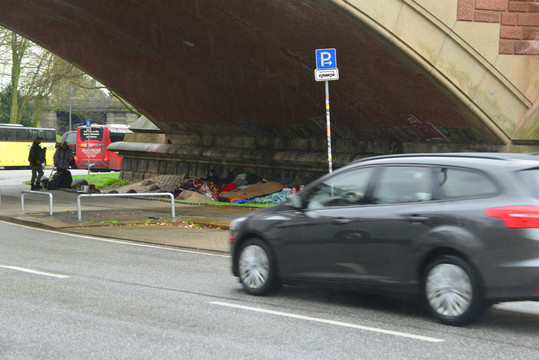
[{"x": 202, "y": 227}]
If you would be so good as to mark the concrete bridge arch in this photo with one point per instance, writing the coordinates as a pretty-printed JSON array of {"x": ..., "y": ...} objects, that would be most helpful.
[
  {"x": 465, "y": 48},
  {"x": 230, "y": 84}
]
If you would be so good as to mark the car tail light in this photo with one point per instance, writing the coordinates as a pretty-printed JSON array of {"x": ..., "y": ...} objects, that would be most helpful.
[{"x": 516, "y": 217}]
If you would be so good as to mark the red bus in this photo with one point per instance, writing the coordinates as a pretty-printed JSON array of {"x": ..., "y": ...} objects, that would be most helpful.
[{"x": 93, "y": 141}]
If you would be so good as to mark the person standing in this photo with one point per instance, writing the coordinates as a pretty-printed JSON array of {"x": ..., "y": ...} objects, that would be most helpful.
[
  {"x": 63, "y": 157},
  {"x": 36, "y": 157}
]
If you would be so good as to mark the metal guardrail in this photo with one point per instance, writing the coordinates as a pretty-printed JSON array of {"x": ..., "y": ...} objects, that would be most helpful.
[
  {"x": 36, "y": 192},
  {"x": 172, "y": 208}
]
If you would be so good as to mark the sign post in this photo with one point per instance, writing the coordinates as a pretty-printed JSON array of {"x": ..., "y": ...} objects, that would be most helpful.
[
  {"x": 88, "y": 136},
  {"x": 326, "y": 70}
]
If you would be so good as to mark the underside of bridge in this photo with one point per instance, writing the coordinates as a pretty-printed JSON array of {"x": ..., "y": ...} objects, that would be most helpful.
[{"x": 230, "y": 84}]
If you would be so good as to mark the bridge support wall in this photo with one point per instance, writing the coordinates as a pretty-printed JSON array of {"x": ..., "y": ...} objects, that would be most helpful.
[{"x": 196, "y": 156}]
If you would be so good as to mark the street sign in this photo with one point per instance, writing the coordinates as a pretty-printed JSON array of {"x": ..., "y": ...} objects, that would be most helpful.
[
  {"x": 326, "y": 75},
  {"x": 326, "y": 59},
  {"x": 326, "y": 70},
  {"x": 88, "y": 123}
]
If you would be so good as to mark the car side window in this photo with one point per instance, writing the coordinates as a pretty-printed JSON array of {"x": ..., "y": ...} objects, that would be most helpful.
[
  {"x": 403, "y": 184},
  {"x": 530, "y": 178},
  {"x": 346, "y": 189},
  {"x": 461, "y": 183}
]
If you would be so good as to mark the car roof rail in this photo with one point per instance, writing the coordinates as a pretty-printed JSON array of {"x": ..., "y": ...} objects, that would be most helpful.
[{"x": 478, "y": 155}]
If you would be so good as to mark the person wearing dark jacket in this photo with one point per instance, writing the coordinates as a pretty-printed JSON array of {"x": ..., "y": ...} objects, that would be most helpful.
[
  {"x": 63, "y": 157},
  {"x": 36, "y": 157},
  {"x": 213, "y": 177}
]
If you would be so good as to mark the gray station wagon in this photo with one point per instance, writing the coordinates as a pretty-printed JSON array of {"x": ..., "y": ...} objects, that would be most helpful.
[{"x": 459, "y": 230}]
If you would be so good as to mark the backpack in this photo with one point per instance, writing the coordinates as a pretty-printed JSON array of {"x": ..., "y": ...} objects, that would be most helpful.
[
  {"x": 64, "y": 179},
  {"x": 50, "y": 184}
]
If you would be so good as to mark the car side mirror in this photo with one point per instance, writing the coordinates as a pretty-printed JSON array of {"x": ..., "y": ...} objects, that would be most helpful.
[{"x": 295, "y": 201}]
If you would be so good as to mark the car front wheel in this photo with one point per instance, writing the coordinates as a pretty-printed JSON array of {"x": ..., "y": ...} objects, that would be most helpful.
[
  {"x": 256, "y": 268},
  {"x": 451, "y": 291}
]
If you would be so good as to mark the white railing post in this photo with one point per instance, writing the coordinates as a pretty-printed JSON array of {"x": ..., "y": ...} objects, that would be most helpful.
[{"x": 36, "y": 192}]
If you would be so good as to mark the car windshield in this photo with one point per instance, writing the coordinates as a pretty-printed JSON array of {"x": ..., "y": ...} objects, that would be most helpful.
[{"x": 530, "y": 178}]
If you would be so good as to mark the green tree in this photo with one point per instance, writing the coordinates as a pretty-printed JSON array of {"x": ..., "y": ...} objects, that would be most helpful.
[
  {"x": 32, "y": 78},
  {"x": 6, "y": 101},
  {"x": 33, "y": 73},
  {"x": 17, "y": 46},
  {"x": 5, "y": 104}
]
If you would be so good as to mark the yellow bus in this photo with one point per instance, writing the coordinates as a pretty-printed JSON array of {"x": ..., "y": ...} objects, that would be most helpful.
[{"x": 15, "y": 143}]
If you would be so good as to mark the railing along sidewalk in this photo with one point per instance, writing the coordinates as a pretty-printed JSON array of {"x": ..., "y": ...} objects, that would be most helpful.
[
  {"x": 36, "y": 192},
  {"x": 79, "y": 209}
]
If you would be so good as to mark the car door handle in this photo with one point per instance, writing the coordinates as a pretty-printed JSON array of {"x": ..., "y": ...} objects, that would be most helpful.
[
  {"x": 416, "y": 218},
  {"x": 342, "y": 221}
]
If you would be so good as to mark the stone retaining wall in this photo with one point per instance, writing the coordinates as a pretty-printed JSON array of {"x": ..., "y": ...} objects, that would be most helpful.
[{"x": 271, "y": 164}]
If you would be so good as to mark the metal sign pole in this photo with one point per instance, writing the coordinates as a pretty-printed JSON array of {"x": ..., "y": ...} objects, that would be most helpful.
[
  {"x": 88, "y": 148},
  {"x": 326, "y": 69},
  {"x": 70, "y": 123},
  {"x": 89, "y": 135},
  {"x": 328, "y": 126}
]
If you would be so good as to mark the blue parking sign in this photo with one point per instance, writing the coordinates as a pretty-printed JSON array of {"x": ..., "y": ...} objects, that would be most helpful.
[
  {"x": 88, "y": 123},
  {"x": 326, "y": 59}
]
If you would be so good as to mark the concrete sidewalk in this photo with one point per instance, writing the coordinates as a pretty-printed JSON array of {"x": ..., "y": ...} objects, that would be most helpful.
[{"x": 202, "y": 227}]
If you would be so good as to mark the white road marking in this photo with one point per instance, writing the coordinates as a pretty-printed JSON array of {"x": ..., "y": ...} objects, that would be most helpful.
[
  {"x": 122, "y": 242},
  {"x": 34, "y": 271},
  {"x": 331, "y": 322}
]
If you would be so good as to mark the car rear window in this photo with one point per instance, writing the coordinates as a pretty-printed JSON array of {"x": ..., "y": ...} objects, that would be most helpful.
[
  {"x": 531, "y": 181},
  {"x": 465, "y": 183},
  {"x": 70, "y": 137}
]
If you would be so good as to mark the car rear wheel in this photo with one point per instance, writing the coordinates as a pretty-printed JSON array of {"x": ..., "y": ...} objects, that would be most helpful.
[
  {"x": 451, "y": 291},
  {"x": 256, "y": 268}
]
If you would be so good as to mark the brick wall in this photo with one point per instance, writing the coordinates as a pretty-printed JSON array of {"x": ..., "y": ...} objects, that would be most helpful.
[{"x": 519, "y": 20}]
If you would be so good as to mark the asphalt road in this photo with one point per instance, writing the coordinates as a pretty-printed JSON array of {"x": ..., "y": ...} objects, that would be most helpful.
[{"x": 76, "y": 297}]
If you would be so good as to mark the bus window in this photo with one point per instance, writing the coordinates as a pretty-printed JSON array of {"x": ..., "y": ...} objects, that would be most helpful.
[
  {"x": 49, "y": 136},
  {"x": 22, "y": 135},
  {"x": 117, "y": 134},
  {"x": 96, "y": 133},
  {"x": 34, "y": 134},
  {"x": 10, "y": 135}
]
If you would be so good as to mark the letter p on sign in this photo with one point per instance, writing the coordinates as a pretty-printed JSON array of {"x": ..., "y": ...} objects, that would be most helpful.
[{"x": 326, "y": 59}]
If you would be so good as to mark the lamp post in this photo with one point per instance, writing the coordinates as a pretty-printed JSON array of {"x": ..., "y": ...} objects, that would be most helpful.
[{"x": 70, "y": 127}]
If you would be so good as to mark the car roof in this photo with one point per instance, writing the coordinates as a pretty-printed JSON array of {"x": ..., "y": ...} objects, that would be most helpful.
[{"x": 482, "y": 158}]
